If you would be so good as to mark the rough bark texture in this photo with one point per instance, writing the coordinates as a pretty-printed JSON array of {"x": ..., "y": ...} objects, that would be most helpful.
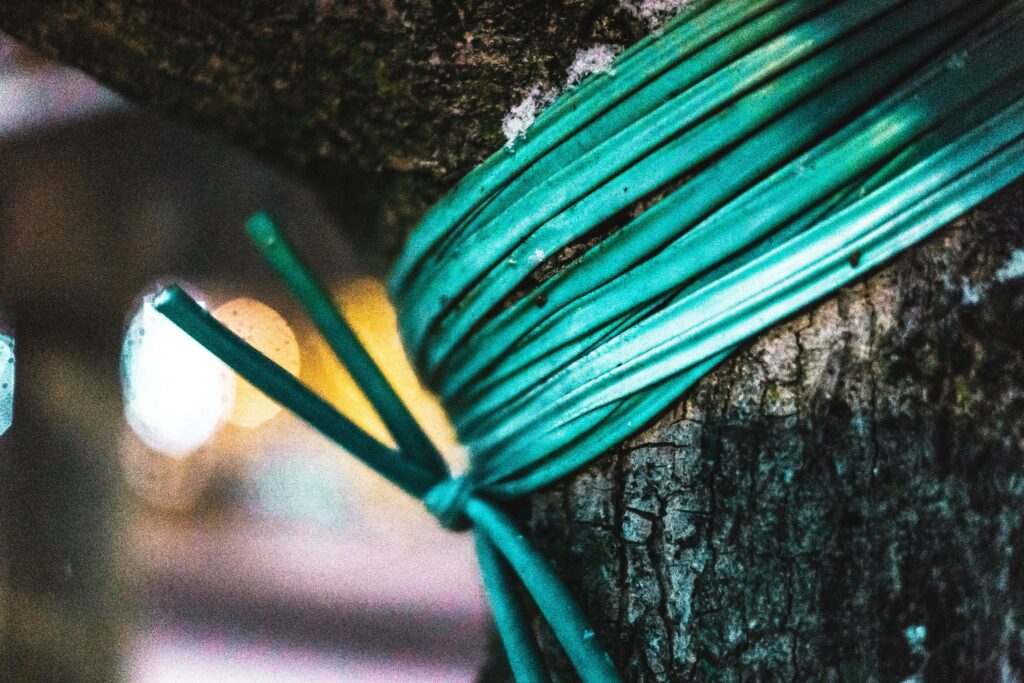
[
  {"x": 840, "y": 501},
  {"x": 412, "y": 92}
]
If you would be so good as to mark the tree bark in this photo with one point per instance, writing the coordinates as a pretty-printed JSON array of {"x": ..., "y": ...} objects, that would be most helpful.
[
  {"x": 390, "y": 101},
  {"x": 839, "y": 501}
]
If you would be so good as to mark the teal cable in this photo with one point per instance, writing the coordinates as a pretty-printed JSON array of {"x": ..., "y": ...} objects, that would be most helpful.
[
  {"x": 560, "y": 609},
  {"x": 769, "y": 152},
  {"x": 634, "y": 358},
  {"x": 688, "y": 33},
  {"x": 534, "y": 436},
  {"x": 765, "y": 206},
  {"x": 666, "y": 86},
  {"x": 553, "y": 599},
  {"x": 583, "y": 173},
  {"x": 716, "y": 183},
  {"x": 510, "y": 618},
  {"x": 701, "y": 142},
  {"x": 281, "y": 386},
  {"x": 342, "y": 340},
  {"x": 640, "y": 135}
]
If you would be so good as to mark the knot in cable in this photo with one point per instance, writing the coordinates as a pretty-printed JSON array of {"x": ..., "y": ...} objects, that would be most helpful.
[{"x": 447, "y": 502}]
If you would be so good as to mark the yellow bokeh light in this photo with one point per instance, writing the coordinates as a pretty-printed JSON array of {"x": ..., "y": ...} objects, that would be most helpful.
[
  {"x": 263, "y": 328},
  {"x": 368, "y": 310}
]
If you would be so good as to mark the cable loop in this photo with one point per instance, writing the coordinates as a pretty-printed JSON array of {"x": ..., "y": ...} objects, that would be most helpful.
[{"x": 447, "y": 502}]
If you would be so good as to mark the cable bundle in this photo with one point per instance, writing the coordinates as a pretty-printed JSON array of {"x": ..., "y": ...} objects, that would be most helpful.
[
  {"x": 813, "y": 140},
  {"x": 752, "y": 157}
]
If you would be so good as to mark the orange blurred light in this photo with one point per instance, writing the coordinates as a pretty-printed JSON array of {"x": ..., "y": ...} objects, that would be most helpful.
[{"x": 262, "y": 327}]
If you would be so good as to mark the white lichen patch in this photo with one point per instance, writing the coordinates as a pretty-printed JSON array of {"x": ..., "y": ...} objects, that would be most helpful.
[
  {"x": 970, "y": 292},
  {"x": 593, "y": 60},
  {"x": 974, "y": 292},
  {"x": 636, "y": 528},
  {"x": 522, "y": 116},
  {"x": 1013, "y": 268},
  {"x": 653, "y": 12},
  {"x": 596, "y": 59}
]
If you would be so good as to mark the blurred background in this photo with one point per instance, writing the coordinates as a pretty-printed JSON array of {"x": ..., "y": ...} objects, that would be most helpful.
[{"x": 185, "y": 529}]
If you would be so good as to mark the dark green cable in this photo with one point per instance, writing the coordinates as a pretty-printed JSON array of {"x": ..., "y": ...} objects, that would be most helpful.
[
  {"x": 553, "y": 599},
  {"x": 281, "y": 386},
  {"x": 761, "y": 151},
  {"x": 511, "y": 620},
  {"x": 339, "y": 336}
]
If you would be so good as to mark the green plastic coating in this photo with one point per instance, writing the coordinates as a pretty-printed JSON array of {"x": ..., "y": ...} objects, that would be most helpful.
[
  {"x": 492, "y": 527},
  {"x": 746, "y": 160},
  {"x": 281, "y": 386},
  {"x": 532, "y": 387},
  {"x": 553, "y": 599},
  {"x": 512, "y": 621},
  {"x": 342, "y": 340}
]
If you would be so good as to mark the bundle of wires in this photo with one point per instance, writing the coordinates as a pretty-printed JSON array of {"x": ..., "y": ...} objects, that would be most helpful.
[{"x": 750, "y": 158}]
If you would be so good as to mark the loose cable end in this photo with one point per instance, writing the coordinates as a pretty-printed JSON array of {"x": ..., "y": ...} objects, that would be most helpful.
[{"x": 262, "y": 230}]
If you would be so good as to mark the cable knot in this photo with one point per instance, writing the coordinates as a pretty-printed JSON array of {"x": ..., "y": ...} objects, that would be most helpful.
[{"x": 447, "y": 502}]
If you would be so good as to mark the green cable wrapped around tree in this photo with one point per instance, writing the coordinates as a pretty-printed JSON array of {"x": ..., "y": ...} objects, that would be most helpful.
[{"x": 749, "y": 159}]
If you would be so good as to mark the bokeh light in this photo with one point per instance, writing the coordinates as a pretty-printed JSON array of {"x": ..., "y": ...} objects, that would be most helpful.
[
  {"x": 263, "y": 328},
  {"x": 176, "y": 393},
  {"x": 6, "y": 382},
  {"x": 368, "y": 310}
]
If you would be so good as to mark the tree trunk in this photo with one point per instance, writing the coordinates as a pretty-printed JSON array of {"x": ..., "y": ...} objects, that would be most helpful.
[
  {"x": 385, "y": 102},
  {"x": 839, "y": 501}
]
